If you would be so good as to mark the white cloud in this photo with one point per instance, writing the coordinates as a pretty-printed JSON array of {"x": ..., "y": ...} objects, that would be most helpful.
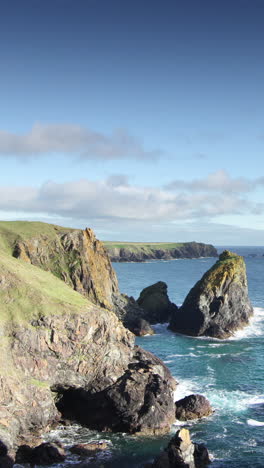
[
  {"x": 116, "y": 200},
  {"x": 218, "y": 181},
  {"x": 74, "y": 140}
]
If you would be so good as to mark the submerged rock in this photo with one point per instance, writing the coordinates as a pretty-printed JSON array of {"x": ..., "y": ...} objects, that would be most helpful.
[
  {"x": 156, "y": 304},
  {"x": 192, "y": 407},
  {"x": 218, "y": 304},
  {"x": 90, "y": 448},
  {"x": 183, "y": 453}
]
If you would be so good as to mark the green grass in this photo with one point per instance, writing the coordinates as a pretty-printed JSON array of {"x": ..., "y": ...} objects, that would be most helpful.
[
  {"x": 139, "y": 246},
  {"x": 28, "y": 292},
  {"x": 13, "y": 231}
]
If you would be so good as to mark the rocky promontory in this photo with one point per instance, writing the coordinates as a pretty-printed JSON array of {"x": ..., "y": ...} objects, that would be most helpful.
[
  {"x": 142, "y": 252},
  {"x": 218, "y": 304},
  {"x": 57, "y": 343}
]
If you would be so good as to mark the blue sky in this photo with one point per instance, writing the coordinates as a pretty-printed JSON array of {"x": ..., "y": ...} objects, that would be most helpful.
[{"x": 140, "y": 119}]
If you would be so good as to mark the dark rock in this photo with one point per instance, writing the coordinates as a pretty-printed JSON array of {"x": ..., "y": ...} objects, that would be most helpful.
[
  {"x": 89, "y": 449},
  {"x": 3, "y": 449},
  {"x": 218, "y": 304},
  {"x": 5, "y": 460},
  {"x": 48, "y": 453},
  {"x": 183, "y": 453},
  {"x": 156, "y": 304},
  {"x": 140, "y": 401},
  {"x": 192, "y": 407},
  {"x": 24, "y": 454},
  {"x": 141, "y": 327}
]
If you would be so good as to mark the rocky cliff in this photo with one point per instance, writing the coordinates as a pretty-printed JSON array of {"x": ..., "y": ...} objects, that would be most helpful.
[
  {"x": 141, "y": 252},
  {"x": 218, "y": 304},
  {"x": 54, "y": 340}
]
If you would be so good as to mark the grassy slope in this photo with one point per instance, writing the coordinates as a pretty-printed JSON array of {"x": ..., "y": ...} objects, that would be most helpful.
[
  {"x": 12, "y": 231},
  {"x": 27, "y": 292}
]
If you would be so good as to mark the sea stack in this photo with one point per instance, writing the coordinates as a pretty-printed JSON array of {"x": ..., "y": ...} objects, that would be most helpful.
[{"x": 218, "y": 304}]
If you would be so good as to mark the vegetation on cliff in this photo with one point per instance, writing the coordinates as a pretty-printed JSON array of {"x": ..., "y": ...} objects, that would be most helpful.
[
  {"x": 54, "y": 339},
  {"x": 142, "y": 251},
  {"x": 218, "y": 304}
]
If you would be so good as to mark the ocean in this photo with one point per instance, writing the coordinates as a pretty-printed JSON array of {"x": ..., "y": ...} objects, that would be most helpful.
[{"x": 230, "y": 373}]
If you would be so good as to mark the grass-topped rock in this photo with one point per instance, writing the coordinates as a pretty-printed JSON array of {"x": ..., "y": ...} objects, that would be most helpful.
[
  {"x": 218, "y": 304},
  {"x": 144, "y": 251}
]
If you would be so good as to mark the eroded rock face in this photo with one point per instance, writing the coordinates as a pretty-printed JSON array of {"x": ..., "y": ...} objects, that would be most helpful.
[
  {"x": 155, "y": 302},
  {"x": 192, "y": 407},
  {"x": 82, "y": 348},
  {"x": 218, "y": 304},
  {"x": 139, "y": 401},
  {"x": 76, "y": 257},
  {"x": 183, "y": 453}
]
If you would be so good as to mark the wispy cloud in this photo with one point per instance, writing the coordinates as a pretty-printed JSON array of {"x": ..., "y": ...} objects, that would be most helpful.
[
  {"x": 116, "y": 200},
  {"x": 74, "y": 140},
  {"x": 219, "y": 181}
]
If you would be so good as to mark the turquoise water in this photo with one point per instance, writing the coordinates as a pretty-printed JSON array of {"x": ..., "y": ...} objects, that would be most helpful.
[{"x": 229, "y": 373}]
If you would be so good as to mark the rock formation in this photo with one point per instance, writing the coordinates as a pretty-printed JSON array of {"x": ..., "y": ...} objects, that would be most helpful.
[
  {"x": 183, "y": 453},
  {"x": 141, "y": 252},
  {"x": 192, "y": 407},
  {"x": 55, "y": 340},
  {"x": 218, "y": 304},
  {"x": 155, "y": 302},
  {"x": 139, "y": 401}
]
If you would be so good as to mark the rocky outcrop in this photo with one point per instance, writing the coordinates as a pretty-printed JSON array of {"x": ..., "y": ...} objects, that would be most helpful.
[
  {"x": 193, "y": 407},
  {"x": 141, "y": 252},
  {"x": 141, "y": 328},
  {"x": 183, "y": 453},
  {"x": 74, "y": 256},
  {"x": 139, "y": 401},
  {"x": 155, "y": 302},
  {"x": 218, "y": 304},
  {"x": 54, "y": 340}
]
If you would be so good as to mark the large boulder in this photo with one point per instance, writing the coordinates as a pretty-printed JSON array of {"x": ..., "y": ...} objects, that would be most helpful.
[
  {"x": 140, "y": 401},
  {"x": 155, "y": 302},
  {"x": 183, "y": 453},
  {"x": 141, "y": 328},
  {"x": 192, "y": 407},
  {"x": 218, "y": 304}
]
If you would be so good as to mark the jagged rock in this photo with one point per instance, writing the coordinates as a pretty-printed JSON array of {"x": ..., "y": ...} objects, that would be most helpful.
[
  {"x": 141, "y": 252},
  {"x": 127, "y": 310},
  {"x": 183, "y": 453},
  {"x": 141, "y": 327},
  {"x": 218, "y": 304},
  {"x": 88, "y": 351},
  {"x": 192, "y": 407},
  {"x": 76, "y": 257},
  {"x": 48, "y": 453},
  {"x": 89, "y": 448},
  {"x": 140, "y": 401},
  {"x": 156, "y": 304}
]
